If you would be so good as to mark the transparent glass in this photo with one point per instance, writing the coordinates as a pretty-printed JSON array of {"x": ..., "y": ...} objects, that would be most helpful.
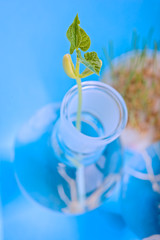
[{"x": 67, "y": 170}]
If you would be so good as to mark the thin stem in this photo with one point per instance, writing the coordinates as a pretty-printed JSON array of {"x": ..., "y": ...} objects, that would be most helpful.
[
  {"x": 107, "y": 56},
  {"x": 78, "y": 123},
  {"x": 80, "y": 169},
  {"x": 135, "y": 40},
  {"x": 81, "y": 186},
  {"x": 79, "y": 108},
  {"x": 77, "y": 67}
]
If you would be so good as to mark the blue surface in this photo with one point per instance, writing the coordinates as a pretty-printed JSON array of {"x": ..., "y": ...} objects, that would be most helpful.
[{"x": 33, "y": 42}]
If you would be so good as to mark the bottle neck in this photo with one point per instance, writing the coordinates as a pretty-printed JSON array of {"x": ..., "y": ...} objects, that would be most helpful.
[
  {"x": 103, "y": 117},
  {"x": 71, "y": 148}
]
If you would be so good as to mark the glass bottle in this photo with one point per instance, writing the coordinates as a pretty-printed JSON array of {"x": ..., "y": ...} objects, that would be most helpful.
[{"x": 67, "y": 170}]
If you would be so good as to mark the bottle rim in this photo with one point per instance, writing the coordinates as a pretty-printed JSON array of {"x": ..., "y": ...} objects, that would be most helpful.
[{"x": 88, "y": 85}]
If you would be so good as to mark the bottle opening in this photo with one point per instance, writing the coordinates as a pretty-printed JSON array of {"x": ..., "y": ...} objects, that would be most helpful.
[{"x": 90, "y": 125}]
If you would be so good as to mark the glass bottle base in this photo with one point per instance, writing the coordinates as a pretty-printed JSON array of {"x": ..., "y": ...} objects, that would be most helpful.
[{"x": 52, "y": 182}]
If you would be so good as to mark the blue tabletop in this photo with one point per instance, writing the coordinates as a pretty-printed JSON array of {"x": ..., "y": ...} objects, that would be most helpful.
[{"x": 33, "y": 42}]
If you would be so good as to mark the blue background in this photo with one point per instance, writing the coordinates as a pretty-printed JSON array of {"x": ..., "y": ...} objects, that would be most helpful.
[{"x": 32, "y": 44}]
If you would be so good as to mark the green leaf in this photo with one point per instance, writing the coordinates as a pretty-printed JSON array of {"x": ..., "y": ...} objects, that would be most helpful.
[
  {"x": 87, "y": 72},
  {"x": 74, "y": 35},
  {"x": 91, "y": 61},
  {"x": 77, "y": 36},
  {"x": 85, "y": 40}
]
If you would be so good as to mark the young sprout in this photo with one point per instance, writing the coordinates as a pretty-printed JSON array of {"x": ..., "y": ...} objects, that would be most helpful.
[
  {"x": 109, "y": 54},
  {"x": 79, "y": 40},
  {"x": 135, "y": 40}
]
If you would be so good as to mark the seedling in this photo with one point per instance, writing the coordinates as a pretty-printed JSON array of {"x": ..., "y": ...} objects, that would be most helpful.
[{"x": 80, "y": 41}]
